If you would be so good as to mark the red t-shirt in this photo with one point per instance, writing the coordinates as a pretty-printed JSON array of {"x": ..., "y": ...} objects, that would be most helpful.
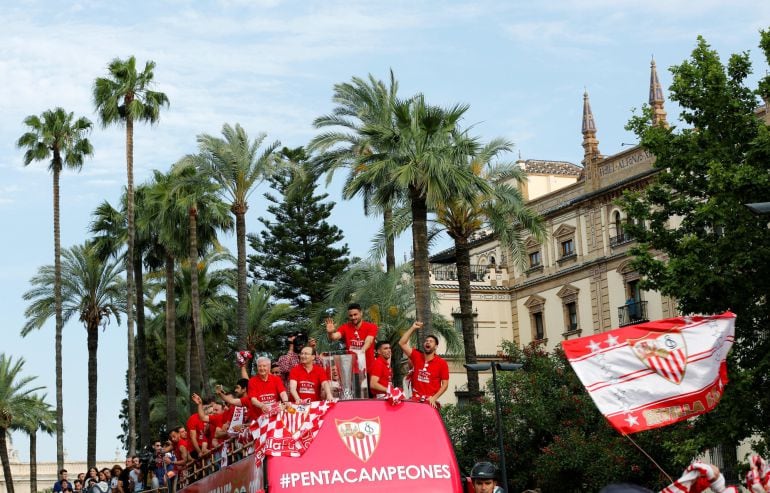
[
  {"x": 266, "y": 392},
  {"x": 355, "y": 337},
  {"x": 194, "y": 422},
  {"x": 427, "y": 377},
  {"x": 178, "y": 451},
  {"x": 381, "y": 370},
  {"x": 308, "y": 382},
  {"x": 215, "y": 421}
]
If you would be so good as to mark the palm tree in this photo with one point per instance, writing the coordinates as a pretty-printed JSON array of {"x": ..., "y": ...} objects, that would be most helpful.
[
  {"x": 122, "y": 98},
  {"x": 206, "y": 214},
  {"x": 263, "y": 319},
  {"x": 235, "y": 163},
  {"x": 39, "y": 418},
  {"x": 359, "y": 103},
  {"x": 169, "y": 221},
  {"x": 16, "y": 399},
  {"x": 93, "y": 291},
  {"x": 417, "y": 154},
  {"x": 503, "y": 212},
  {"x": 57, "y": 136},
  {"x": 214, "y": 309},
  {"x": 109, "y": 229}
]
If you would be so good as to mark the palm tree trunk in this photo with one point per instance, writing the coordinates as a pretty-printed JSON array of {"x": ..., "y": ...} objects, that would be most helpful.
[
  {"x": 420, "y": 261},
  {"x": 199, "y": 357},
  {"x": 4, "y": 459},
  {"x": 130, "y": 285},
  {"x": 463, "y": 262},
  {"x": 390, "y": 242},
  {"x": 195, "y": 369},
  {"x": 243, "y": 292},
  {"x": 59, "y": 320},
  {"x": 93, "y": 375},
  {"x": 141, "y": 354},
  {"x": 171, "y": 417},
  {"x": 33, "y": 462}
]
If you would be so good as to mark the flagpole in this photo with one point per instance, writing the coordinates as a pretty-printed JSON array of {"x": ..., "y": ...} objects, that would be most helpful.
[{"x": 670, "y": 480}]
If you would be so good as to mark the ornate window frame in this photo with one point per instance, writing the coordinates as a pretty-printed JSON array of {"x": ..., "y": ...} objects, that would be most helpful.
[
  {"x": 569, "y": 296},
  {"x": 536, "y": 306}
]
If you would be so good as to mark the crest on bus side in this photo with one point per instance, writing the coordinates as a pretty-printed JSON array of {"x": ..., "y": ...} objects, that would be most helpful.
[{"x": 360, "y": 435}]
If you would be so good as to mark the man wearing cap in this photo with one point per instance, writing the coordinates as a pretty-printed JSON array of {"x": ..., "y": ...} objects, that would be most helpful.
[
  {"x": 484, "y": 478},
  {"x": 431, "y": 372}
]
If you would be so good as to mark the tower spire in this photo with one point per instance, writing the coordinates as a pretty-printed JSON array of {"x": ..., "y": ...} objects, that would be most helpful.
[
  {"x": 590, "y": 143},
  {"x": 656, "y": 98}
]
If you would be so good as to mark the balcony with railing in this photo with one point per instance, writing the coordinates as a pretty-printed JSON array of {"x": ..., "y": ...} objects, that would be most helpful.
[
  {"x": 621, "y": 239},
  {"x": 448, "y": 272},
  {"x": 633, "y": 313}
]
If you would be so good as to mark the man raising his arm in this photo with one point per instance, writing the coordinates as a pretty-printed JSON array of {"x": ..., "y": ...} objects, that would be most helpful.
[{"x": 431, "y": 373}]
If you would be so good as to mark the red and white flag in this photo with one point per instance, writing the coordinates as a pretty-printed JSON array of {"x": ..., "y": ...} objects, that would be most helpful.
[
  {"x": 699, "y": 477},
  {"x": 656, "y": 373},
  {"x": 289, "y": 432}
]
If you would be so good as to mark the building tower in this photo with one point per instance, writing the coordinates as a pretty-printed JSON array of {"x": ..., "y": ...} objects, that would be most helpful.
[
  {"x": 656, "y": 98},
  {"x": 591, "y": 154}
]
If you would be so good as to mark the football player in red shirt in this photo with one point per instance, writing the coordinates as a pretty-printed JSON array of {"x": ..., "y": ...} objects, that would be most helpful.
[
  {"x": 431, "y": 372},
  {"x": 357, "y": 334},
  {"x": 381, "y": 375}
]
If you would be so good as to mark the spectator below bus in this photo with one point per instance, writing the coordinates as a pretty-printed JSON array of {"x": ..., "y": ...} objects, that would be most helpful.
[
  {"x": 431, "y": 373},
  {"x": 124, "y": 478},
  {"x": 307, "y": 380},
  {"x": 381, "y": 374},
  {"x": 484, "y": 478},
  {"x": 62, "y": 477}
]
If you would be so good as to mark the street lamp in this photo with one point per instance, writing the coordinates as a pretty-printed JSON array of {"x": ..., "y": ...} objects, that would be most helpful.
[{"x": 497, "y": 366}]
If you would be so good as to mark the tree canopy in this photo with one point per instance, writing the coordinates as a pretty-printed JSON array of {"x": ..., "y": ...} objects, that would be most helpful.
[{"x": 697, "y": 241}]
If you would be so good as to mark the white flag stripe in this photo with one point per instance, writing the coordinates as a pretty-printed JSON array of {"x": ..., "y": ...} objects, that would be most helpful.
[
  {"x": 627, "y": 363},
  {"x": 627, "y": 375}
]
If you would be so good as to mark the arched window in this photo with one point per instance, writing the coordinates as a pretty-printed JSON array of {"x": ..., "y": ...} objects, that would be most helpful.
[{"x": 618, "y": 224}]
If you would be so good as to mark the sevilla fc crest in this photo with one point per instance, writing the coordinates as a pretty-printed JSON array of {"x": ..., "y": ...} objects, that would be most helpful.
[
  {"x": 665, "y": 354},
  {"x": 360, "y": 435}
]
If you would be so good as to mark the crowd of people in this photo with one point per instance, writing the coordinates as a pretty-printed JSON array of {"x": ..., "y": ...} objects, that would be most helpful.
[
  {"x": 298, "y": 377},
  {"x": 134, "y": 477}
]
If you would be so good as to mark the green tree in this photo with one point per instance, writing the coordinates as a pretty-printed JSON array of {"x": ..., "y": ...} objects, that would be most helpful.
[
  {"x": 503, "y": 212},
  {"x": 93, "y": 291},
  {"x": 295, "y": 251},
  {"x": 206, "y": 214},
  {"x": 41, "y": 417},
  {"x": 122, "y": 98},
  {"x": 359, "y": 102},
  {"x": 215, "y": 305},
  {"x": 418, "y": 154},
  {"x": 264, "y": 320},
  {"x": 58, "y": 136},
  {"x": 237, "y": 165},
  {"x": 696, "y": 240},
  {"x": 16, "y": 399}
]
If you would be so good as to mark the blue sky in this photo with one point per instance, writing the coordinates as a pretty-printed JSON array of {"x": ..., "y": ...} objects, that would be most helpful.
[{"x": 270, "y": 65}]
